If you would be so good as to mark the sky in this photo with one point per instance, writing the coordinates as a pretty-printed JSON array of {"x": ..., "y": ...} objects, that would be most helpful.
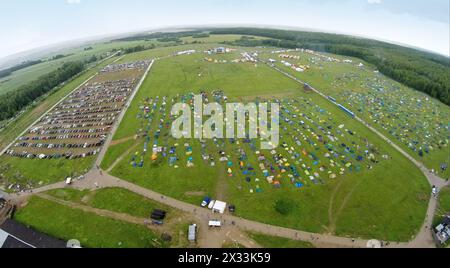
[{"x": 28, "y": 24}]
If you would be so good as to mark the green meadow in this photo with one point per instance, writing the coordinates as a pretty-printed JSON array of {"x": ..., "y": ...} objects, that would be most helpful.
[
  {"x": 386, "y": 202},
  {"x": 91, "y": 230}
]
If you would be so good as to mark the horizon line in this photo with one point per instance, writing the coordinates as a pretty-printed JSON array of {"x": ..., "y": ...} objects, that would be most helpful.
[{"x": 98, "y": 38}]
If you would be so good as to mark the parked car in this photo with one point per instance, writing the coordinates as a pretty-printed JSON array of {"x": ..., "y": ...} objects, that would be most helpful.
[
  {"x": 215, "y": 223},
  {"x": 211, "y": 204},
  {"x": 205, "y": 201},
  {"x": 232, "y": 208},
  {"x": 157, "y": 222}
]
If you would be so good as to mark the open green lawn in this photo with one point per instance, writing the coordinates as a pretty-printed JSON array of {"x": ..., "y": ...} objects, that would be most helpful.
[
  {"x": 32, "y": 173},
  {"x": 214, "y": 38},
  {"x": 444, "y": 203},
  {"x": 181, "y": 75},
  {"x": 91, "y": 230},
  {"x": 113, "y": 199},
  {"x": 387, "y": 202},
  {"x": 114, "y": 152},
  {"x": 268, "y": 241}
]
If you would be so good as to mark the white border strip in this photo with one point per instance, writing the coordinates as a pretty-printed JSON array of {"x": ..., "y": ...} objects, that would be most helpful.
[{"x": 18, "y": 239}]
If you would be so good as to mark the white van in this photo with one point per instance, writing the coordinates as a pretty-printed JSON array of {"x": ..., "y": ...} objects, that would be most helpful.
[{"x": 211, "y": 204}]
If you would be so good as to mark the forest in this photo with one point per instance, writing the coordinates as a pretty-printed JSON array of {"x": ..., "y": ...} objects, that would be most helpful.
[
  {"x": 420, "y": 70},
  {"x": 13, "y": 102}
]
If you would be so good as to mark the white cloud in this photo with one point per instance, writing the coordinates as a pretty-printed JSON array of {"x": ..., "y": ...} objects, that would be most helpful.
[
  {"x": 374, "y": 2},
  {"x": 73, "y": 2}
]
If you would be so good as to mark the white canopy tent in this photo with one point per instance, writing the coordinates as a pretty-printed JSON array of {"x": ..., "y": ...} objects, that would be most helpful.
[{"x": 219, "y": 207}]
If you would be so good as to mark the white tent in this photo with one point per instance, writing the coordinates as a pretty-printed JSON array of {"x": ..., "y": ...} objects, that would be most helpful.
[{"x": 219, "y": 207}]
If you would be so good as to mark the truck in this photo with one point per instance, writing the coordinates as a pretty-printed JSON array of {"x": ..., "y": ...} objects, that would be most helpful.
[{"x": 192, "y": 233}]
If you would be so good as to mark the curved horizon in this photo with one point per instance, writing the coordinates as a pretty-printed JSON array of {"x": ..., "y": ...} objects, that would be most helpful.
[
  {"x": 98, "y": 38},
  {"x": 418, "y": 24}
]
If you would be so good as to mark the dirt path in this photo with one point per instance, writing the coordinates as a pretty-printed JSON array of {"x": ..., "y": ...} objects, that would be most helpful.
[
  {"x": 221, "y": 187},
  {"x": 341, "y": 208},
  {"x": 330, "y": 207},
  {"x": 123, "y": 140},
  {"x": 120, "y": 158}
]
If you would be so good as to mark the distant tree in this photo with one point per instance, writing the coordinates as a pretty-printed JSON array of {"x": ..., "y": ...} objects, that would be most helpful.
[
  {"x": 284, "y": 206},
  {"x": 12, "y": 102},
  {"x": 23, "y": 65}
]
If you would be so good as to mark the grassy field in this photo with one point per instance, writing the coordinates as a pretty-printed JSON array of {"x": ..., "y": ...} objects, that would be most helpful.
[
  {"x": 113, "y": 199},
  {"x": 114, "y": 152},
  {"x": 95, "y": 231},
  {"x": 268, "y": 241},
  {"x": 32, "y": 173},
  {"x": 369, "y": 204},
  {"x": 215, "y": 38},
  {"x": 444, "y": 204},
  {"x": 29, "y": 74},
  {"x": 91, "y": 230}
]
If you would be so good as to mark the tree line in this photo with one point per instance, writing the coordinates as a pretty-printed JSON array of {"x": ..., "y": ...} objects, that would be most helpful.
[
  {"x": 420, "y": 70},
  {"x": 23, "y": 65},
  {"x": 159, "y": 35},
  {"x": 13, "y": 102},
  {"x": 138, "y": 48}
]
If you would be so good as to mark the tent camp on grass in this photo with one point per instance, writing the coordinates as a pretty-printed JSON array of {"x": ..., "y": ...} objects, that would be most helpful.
[
  {"x": 412, "y": 119},
  {"x": 314, "y": 148}
]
